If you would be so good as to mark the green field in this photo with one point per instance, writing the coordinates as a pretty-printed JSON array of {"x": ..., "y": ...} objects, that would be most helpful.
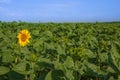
[{"x": 60, "y": 51}]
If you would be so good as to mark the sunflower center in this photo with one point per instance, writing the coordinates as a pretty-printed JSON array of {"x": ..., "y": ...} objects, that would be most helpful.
[{"x": 23, "y": 37}]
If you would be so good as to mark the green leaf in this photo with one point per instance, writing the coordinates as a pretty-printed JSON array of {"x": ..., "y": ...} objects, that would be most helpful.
[
  {"x": 35, "y": 32},
  {"x": 49, "y": 76},
  {"x": 115, "y": 56},
  {"x": 15, "y": 76},
  {"x": 112, "y": 78},
  {"x": 80, "y": 67},
  {"x": 69, "y": 75},
  {"x": 24, "y": 50},
  {"x": 7, "y": 57},
  {"x": 58, "y": 66},
  {"x": 49, "y": 46},
  {"x": 20, "y": 68},
  {"x": 89, "y": 53},
  {"x": 92, "y": 68},
  {"x": 55, "y": 75},
  {"x": 4, "y": 70},
  {"x": 58, "y": 75},
  {"x": 60, "y": 50},
  {"x": 103, "y": 57},
  {"x": 48, "y": 33},
  {"x": 43, "y": 74},
  {"x": 111, "y": 70},
  {"x": 69, "y": 62}
]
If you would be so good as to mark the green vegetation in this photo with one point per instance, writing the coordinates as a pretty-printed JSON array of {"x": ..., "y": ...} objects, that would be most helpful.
[{"x": 60, "y": 51}]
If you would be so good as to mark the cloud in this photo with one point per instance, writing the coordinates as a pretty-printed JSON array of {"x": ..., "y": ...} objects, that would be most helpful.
[
  {"x": 5, "y": 1},
  {"x": 55, "y": 8},
  {"x": 51, "y": 11},
  {"x": 7, "y": 12},
  {"x": 9, "y": 15},
  {"x": 61, "y": 5}
]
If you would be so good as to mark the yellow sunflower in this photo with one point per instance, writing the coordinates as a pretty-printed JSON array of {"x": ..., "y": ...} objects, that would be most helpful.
[{"x": 23, "y": 37}]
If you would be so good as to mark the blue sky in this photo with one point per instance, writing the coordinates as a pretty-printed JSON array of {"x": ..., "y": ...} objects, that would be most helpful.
[{"x": 60, "y": 10}]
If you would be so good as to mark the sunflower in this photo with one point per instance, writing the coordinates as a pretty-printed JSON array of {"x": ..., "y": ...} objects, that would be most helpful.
[{"x": 23, "y": 37}]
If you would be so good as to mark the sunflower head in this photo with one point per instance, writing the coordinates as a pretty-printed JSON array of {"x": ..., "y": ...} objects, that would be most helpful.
[{"x": 23, "y": 37}]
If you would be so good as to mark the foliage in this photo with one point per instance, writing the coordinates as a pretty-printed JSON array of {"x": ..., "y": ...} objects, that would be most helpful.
[{"x": 60, "y": 51}]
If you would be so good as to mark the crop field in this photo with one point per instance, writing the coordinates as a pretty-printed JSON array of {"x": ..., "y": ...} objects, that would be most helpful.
[{"x": 59, "y": 51}]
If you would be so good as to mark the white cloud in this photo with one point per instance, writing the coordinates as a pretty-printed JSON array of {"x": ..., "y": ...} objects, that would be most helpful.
[
  {"x": 54, "y": 9},
  {"x": 7, "y": 12},
  {"x": 5, "y": 1},
  {"x": 45, "y": 10},
  {"x": 60, "y": 5}
]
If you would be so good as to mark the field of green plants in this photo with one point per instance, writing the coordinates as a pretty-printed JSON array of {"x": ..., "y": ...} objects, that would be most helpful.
[{"x": 60, "y": 51}]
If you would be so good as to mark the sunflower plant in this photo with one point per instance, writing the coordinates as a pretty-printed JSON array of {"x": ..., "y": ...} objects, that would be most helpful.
[{"x": 59, "y": 51}]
